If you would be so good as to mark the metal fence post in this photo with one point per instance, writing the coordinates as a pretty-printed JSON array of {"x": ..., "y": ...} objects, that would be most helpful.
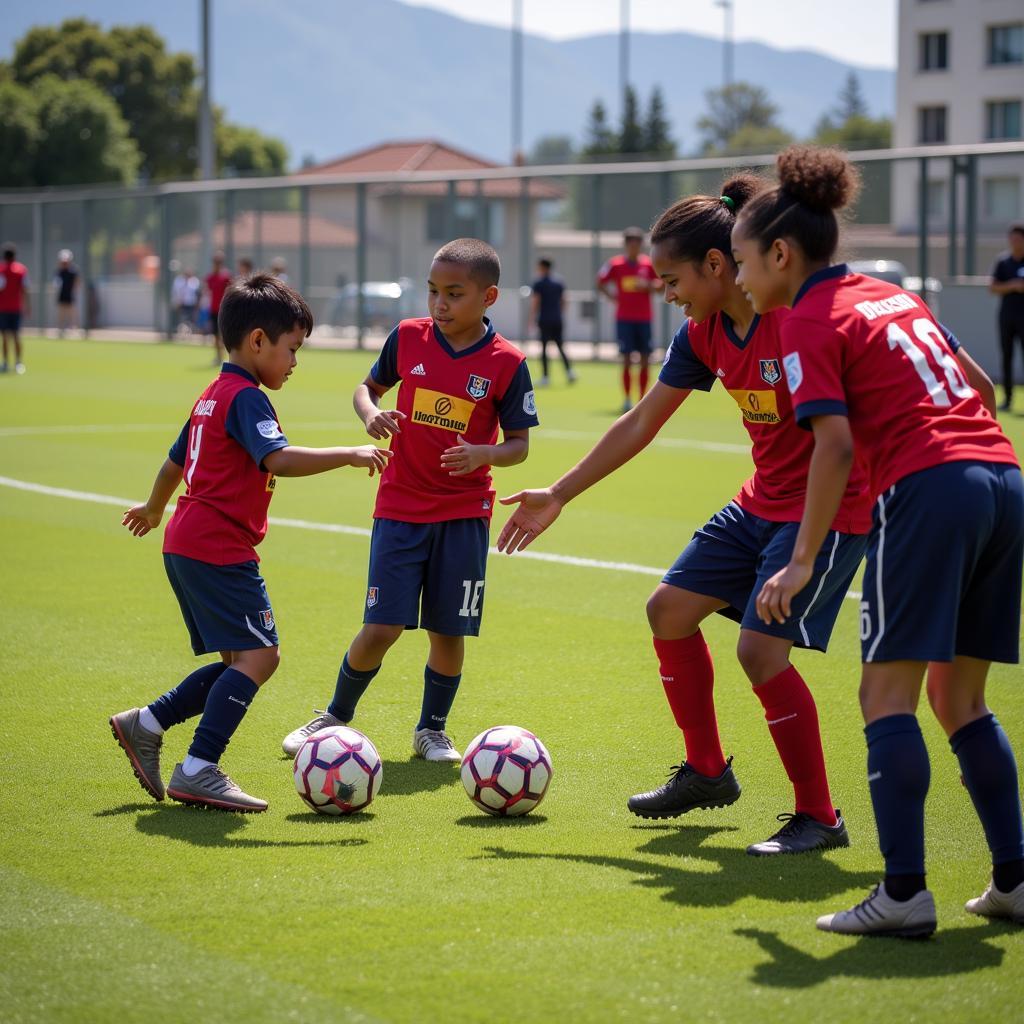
[
  {"x": 229, "y": 228},
  {"x": 595, "y": 259},
  {"x": 360, "y": 263},
  {"x": 954, "y": 184},
  {"x": 524, "y": 256},
  {"x": 666, "y": 314},
  {"x": 85, "y": 281},
  {"x": 971, "y": 217},
  {"x": 39, "y": 236},
  {"x": 162, "y": 285},
  {"x": 922, "y": 218},
  {"x": 449, "y": 211},
  {"x": 304, "y": 282}
]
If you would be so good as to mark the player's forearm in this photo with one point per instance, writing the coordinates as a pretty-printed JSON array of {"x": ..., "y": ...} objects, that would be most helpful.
[
  {"x": 827, "y": 477},
  {"x": 365, "y": 403},
  {"x": 294, "y": 461},
  {"x": 978, "y": 379},
  {"x": 166, "y": 483},
  {"x": 509, "y": 452}
]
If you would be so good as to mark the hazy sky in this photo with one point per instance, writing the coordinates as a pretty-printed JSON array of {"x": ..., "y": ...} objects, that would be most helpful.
[{"x": 861, "y": 33}]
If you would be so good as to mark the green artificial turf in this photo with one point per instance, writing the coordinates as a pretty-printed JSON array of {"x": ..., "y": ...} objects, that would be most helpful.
[{"x": 114, "y": 907}]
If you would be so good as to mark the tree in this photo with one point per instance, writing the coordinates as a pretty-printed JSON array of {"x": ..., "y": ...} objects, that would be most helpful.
[
  {"x": 553, "y": 149},
  {"x": 657, "y": 140},
  {"x": 631, "y": 134},
  {"x": 246, "y": 151},
  {"x": 851, "y": 100},
  {"x": 600, "y": 139},
  {"x": 19, "y": 134},
  {"x": 82, "y": 137},
  {"x": 735, "y": 108},
  {"x": 849, "y": 126}
]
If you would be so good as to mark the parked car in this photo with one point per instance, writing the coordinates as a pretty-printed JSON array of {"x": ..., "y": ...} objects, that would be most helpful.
[
  {"x": 384, "y": 303},
  {"x": 896, "y": 273}
]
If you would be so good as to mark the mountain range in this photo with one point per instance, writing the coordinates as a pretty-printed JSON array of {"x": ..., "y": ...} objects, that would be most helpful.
[{"x": 333, "y": 76}]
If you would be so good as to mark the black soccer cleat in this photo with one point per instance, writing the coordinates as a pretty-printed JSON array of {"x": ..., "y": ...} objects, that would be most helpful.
[
  {"x": 801, "y": 834},
  {"x": 685, "y": 790}
]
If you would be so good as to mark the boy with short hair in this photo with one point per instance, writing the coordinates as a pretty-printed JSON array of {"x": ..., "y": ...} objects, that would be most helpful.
[
  {"x": 459, "y": 382},
  {"x": 229, "y": 453}
]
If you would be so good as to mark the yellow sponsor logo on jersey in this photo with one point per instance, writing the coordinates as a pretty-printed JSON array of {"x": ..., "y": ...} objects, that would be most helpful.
[
  {"x": 271, "y": 482},
  {"x": 435, "y": 409},
  {"x": 757, "y": 406},
  {"x": 630, "y": 284}
]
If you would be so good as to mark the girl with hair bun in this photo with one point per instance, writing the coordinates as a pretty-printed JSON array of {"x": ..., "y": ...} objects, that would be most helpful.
[
  {"x": 739, "y": 547},
  {"x": 869, "y": 368}
]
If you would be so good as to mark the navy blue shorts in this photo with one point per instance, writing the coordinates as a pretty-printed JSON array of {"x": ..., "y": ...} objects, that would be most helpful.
[
  {"x": 633, "y": 336},
  {"x": 10, "y": 321},
  {"x": 225, "y": 607},
  {"x": 735, "y": 553},
  {"x": 944, "y": 564},
  {"x": 428, "y": 574}
]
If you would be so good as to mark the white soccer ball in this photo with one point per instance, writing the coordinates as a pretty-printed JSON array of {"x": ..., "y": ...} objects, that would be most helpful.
[
  {"x": 338, "y": 771},
  {"x": 506, "y": 771}
]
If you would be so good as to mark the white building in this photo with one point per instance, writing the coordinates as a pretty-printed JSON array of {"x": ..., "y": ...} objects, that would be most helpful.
[{"x": 959, "y": 81}]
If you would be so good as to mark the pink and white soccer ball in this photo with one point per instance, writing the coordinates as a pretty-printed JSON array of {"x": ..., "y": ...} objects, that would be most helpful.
[
  {"x": 338, "y": 771},
  {"x": 506, "y": 771}
]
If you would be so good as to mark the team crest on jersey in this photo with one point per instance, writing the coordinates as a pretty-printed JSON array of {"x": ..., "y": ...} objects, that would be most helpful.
[
  {"x": 770, "y": 372},
  {"x": 530, "y": 404},
  {"x": 371, "y": 597},
  {"x": 267, "y": 619},
  {"x": 478, "y": 386}
]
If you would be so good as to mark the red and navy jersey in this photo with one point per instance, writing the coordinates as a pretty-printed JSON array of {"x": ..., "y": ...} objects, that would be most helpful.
[
  {"x": 444, "y": 393},
  {"x": 217, "y": 284},
  {"x": 633, "y": 302},
  {"x": 863, "y": 348},
  {"x": 13, "y": 285},
  {"x": 750, "y": 369},
  {"x": 222, "y": 515}
]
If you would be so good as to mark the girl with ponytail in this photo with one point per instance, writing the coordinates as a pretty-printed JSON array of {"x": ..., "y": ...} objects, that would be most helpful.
[
  {"x": 739, "y": 547},
  {"x": 870, "y": 369}
]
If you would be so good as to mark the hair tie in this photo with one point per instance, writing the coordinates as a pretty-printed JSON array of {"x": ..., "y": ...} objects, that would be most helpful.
[{"x": 728, "y": 202}]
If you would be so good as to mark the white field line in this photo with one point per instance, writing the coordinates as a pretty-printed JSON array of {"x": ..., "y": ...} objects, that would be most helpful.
[{"x": 353, "y": 531}]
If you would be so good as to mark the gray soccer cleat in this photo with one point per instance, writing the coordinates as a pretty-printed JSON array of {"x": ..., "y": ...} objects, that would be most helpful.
[
  {"x": 993, "y": 903},
  {"x": 324, "y": 720},
  {"x": 434, "y": 745},
  {"x": 212, "y": 787},
  {"x": 142, "y": 748},
  {"x": 879, "y": 914}
]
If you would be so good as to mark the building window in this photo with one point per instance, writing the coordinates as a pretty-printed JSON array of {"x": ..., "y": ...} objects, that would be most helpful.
[
  {"x": 931, "y": 124},
  {"x": 1006, "y": 44},
  {"x": 933, "y": 51},
  {"x": 1002, "y": 119},
  {"x": 1001, "y": 197},
  {"x": 490, "y": 227},
  {"x": 936, "y": 204}
]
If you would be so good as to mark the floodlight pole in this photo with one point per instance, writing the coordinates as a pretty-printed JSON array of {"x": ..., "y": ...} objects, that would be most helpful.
[
  {"x": 623, "y": 53},
  {"x": 517, "y": 81},
  {"x": 205, "y": 140},
  {"x": 727, "y": 41}
]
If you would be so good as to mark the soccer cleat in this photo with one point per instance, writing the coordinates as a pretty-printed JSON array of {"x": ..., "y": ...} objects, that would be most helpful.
[
  {"x": 685, "y": 790},
  {"x": 543, "y": 382},
  {"x": 434, "y": 745},
  {"x": 993, "y": 903},
  {"x": 571, "y": 376},
  {"x": 142, "y": 748},
  {"x": 879, "y": 914},
  {"x": 19, "y": 368},
  {"x": 627, "y": 405},
  {"x": 212, "y": 787},
  {"x": 800, "y": 834},
  {"x": 324, "y": 720}
]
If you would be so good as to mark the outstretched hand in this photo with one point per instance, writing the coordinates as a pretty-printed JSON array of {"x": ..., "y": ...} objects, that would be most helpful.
[
  {"x": 384, "y": 423},
  {"x": 139, "y": 520},
  {"x": 464, "y": 458},
  {"x": 366, "y": 456},
  {"x": 536, "y": 512},
  {"x": 775, "y": 602}
]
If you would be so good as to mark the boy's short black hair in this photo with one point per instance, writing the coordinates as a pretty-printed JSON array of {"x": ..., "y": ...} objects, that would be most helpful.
[
  {"x": 9, "y": 251},
  {"x": 479, "y": 259},
  {"x": 1016, "y": 229},
  {"x": 545, "y": 263},
  {"x": 261, "y": 301}
]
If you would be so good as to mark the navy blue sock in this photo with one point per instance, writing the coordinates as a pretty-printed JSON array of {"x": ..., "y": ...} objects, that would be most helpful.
[
  {"x": 351, "y": 685},
  {"x": 898, "y": 774},
  {"x": 188, "y": 698},
  {"x": 438, "y": 696},
  {"x": 226, "y": 705},
  {"x": 990, "y": 774}
]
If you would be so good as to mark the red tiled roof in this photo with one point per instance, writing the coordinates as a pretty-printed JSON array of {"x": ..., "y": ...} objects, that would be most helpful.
[{"x": 275, "y": 229}]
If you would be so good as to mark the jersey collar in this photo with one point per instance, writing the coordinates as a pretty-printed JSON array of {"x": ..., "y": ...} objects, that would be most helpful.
[
  {"x": 482, "y": 343},
  {"x": 232, "y": 368},
  {"x": 730, "y": 330},
  {"x": 839, "y": 270}
]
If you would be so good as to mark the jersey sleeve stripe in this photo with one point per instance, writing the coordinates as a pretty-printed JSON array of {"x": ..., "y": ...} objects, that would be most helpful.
[{"x": 806, "y": 411}]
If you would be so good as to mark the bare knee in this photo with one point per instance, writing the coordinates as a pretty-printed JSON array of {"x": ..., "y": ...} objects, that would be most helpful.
[
  {"x": 670, "y": 615},
  {"x": 762, "y": 657},
  {"x": 258, "y": 665}
]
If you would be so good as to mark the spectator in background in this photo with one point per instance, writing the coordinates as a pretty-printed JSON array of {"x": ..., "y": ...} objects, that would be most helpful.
[
  {"x": 547, "y": 305},
  {"x": 217, "y": 282},
  {"x": 65, "y": 280},
  {"x": 14, "y": 302},
  {"x": 245, "y": 267},
  {"x": 279, "y": 268},
  {"x": 1008, "y": 282},
  {"x": 185, "y": 298}
]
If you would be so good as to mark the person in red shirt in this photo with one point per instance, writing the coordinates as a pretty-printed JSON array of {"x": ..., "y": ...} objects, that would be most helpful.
[
  {"x": 628, "y": 281},
  {"x": 459, "y": 383},
  {"x": 871, "y": 371},
  {"x": 216, "y": 283},
  {"x": 14, "y": 304},
  {"x": 229, "y": 453},
  {"x": 742, "y": 545}
]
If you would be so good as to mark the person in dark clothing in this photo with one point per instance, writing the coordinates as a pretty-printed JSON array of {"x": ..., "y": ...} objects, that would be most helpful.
[
  {"x": 1008, "y": 282},
  {"x": 65, "y": 280},
  {"x": 547, "y": 305}
]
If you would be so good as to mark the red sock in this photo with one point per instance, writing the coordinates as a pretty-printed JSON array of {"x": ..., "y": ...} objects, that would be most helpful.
[
  {"x": 627, "y": 380},
  {"x": 793, "y": 722},
  {"x": 688, "y": 675},
  {"x": 644, "y": 377}
]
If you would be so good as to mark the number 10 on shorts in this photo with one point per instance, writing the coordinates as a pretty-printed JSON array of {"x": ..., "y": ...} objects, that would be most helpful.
[{"x": 472, "y": 592}]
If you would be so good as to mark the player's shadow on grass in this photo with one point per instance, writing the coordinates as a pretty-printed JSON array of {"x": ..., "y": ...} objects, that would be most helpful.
[
  {"x": 738, "y": 875},
  {"x": 953, "y": 951}
]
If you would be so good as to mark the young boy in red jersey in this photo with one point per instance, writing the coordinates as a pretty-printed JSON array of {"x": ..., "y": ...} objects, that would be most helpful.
[
  {"x": 229, "y": 453},
  {"x": 459, "y": 382},
  {"x": 14, "y": 303},
  {"x": 870, "y": 369},
  {"x": 628, "y": 281},
  {"x": 217, "y": 282}
]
